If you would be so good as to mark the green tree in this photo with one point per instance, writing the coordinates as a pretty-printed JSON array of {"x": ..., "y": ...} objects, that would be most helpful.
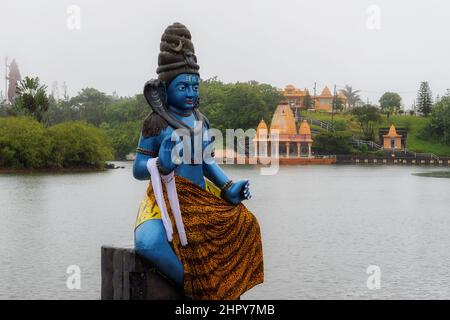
[
  {"x": 23, "y": 143},
  {"x": 424, "y": 99},
  {"x": 91, "y": 105},
  {"x": 124, "y": 136},
  {"x": 368, "y": 117},
  {"x": 439, "y": 126},
  {"x": 61, "y": 111},
  {"x": 308, "y": 101},
  {"x": 390, "y": 103},
  {"x": 32, "y": 98},
  {"x": 127, "y": 109},
  {"x": 3, "y": 106},
  {"x": 353, "y": 97},
  {"x": 77, "y": 144},
  {"x": 237, "y": 105},
  {"x": 337, "y": 103}
]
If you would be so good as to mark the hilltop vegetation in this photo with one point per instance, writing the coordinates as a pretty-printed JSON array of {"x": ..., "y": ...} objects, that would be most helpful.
[
  {"x": 420, "y": 138},
  {"x": 119, "y": 119},
  {"x": 94, "y": 127}
]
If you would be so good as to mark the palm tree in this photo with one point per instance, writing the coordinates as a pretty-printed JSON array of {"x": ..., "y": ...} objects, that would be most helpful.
[
  {"x": 32, "y": 97},
  {"x": 352, "y": 96}
]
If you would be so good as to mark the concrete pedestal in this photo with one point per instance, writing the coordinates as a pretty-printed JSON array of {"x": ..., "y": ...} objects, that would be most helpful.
[{"x": 127, "y": 276}]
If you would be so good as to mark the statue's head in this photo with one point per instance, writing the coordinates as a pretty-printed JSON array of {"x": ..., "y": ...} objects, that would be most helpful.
[
  {"x": 182, "y": 92},
  {"x": 178, "y": 68}
]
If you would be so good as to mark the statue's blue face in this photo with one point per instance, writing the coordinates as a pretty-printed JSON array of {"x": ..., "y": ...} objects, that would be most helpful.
[{"x": 182, "y": 92}]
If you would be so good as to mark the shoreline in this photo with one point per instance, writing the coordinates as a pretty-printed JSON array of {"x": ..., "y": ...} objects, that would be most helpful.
[{"x": 50, "y": 170}]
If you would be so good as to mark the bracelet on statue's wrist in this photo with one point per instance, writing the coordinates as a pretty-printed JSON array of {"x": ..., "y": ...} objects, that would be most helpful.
[
  {"x": 162, "y": 170},
  {"x": 225, "y": 187}
]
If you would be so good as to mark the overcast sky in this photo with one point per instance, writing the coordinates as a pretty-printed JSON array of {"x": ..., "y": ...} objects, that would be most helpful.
[{"x": 278, "y": 42}]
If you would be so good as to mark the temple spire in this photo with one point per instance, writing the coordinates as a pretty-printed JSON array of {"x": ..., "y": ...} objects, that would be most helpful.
[{"x": 13, "y": 77}]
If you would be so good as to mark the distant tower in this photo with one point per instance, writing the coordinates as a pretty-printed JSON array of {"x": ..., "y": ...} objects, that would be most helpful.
[{"x": 13, "y": 77}]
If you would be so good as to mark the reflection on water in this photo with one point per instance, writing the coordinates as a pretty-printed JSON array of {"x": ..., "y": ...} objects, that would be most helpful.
[{"x": 322, "y": 226}]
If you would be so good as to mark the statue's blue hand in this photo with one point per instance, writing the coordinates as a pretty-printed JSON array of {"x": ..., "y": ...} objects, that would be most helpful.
[
  {"x": 168, "y": 161},
  {"x": 238, "y": 192}
]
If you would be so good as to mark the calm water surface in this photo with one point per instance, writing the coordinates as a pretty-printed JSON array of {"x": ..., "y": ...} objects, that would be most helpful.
[{"x": 322, "y": 226}]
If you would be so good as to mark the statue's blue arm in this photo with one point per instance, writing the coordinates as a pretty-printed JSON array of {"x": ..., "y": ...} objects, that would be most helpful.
[
  {"x": 215, "y": 173},
  {"x": 237, "y": 192},
  {"x": 140, "y": 171},
  {"x": 211, "y": 169}
]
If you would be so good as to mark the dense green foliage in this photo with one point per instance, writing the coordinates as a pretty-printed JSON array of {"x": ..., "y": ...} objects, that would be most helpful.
[
  {"x": 238, "y": 105},
  {"x": 439, "y": 125},
  {"x": 418, "y": 140},
  {"x": 26, "y": 143},
  {"x": 89, "y": 105},
  {"x": 368, "y": 117},
  {"x": 76, "y": 144},
  {"x": 335, "y": 143},
  {"x": 92, "y": 105},
  {"x": 338, "y": 104},
  {"x": 339, "y": 125},
  {"x": 231, "y": 105},
  {"x": 23, "y": 143},
  {"x": 119, "y": 118},
  {"x": 124, "y": 136},
  {"x": 123, "y": 123},
  {"x": 227, "y": 105}
]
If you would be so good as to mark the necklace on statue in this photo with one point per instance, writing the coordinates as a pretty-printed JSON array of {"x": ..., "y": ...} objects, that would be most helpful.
[{"x": 182, "y": 114}]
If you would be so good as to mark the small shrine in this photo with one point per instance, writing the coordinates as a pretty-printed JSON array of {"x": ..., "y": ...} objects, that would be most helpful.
[
  {"x": 305, "y": 139},
  {"x": 392, "y": 140}
]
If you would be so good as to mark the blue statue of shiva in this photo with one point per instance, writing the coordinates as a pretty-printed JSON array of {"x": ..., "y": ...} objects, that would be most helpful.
[{"x": 216, "y": 237}]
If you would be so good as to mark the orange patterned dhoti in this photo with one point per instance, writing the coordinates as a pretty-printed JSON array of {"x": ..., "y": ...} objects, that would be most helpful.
[{"x": 223, "y": 258}]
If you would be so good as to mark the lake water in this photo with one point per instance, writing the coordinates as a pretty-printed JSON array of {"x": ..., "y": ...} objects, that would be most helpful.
[{"x": 322, "y": 227}]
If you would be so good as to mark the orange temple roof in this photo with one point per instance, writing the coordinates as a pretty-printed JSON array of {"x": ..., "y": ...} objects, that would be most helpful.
[
  {"x": 304, "y": 128},
  {"x": 392, "y": 132},
  {"x": 283, "y": 120},
  {"x": 326, "y": 92},
  {"x": 262, "y": 125},
  {"x": 291, "y": 91}
]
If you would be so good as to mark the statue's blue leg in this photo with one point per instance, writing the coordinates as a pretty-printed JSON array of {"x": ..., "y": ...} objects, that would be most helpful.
[{"x": 151, "y": 242}]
